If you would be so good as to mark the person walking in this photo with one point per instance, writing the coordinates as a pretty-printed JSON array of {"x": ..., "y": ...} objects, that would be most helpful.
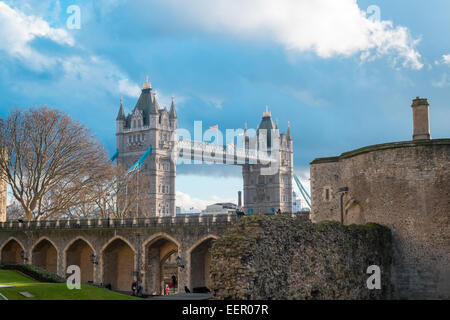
[
  {"x": 166, "y": 290},
  {"x": 134, "y": 288}
]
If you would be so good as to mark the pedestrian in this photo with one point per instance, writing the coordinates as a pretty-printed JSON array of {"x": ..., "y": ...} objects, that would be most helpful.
[
  {"x": 174, "y": 281},
  {"x": 279, "y": 211},
  {"x": 166, "y": 290},
  {"x": 134, "y": 287}
]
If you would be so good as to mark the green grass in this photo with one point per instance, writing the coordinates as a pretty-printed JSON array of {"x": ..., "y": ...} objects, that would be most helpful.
[{"x": 53, "y": 291}]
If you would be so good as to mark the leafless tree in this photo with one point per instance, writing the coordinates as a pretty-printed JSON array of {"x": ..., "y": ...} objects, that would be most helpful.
[
  {"x": 14, "y": 211},
  {"x": 125, "y": 195},
  {"x": 51, "y": 163}
]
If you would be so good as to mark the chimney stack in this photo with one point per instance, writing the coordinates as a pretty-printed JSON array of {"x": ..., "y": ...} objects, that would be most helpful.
[
  {"x": 239, "y": 199},
  {"x": 420, "y": 119}
]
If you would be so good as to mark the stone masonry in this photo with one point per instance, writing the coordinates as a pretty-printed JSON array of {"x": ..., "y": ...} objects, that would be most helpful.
[{"x": 404, "y": 186}]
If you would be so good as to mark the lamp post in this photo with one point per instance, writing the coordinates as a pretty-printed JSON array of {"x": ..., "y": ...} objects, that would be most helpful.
[
  {"x": 93, "y": 258},
  {"x": 179, "y": 264},
  {"x": 23, "y": 255}
]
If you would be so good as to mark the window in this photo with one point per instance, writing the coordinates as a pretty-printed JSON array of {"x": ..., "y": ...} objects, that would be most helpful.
[
  {"x": 134, "y": 123},
  {"x": 327, "y": 194}
]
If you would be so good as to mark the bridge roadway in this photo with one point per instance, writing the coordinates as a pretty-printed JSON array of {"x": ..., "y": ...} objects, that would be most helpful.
[
  {"x": 109, "y": 251},
  {"x": 211, "y": 152}
]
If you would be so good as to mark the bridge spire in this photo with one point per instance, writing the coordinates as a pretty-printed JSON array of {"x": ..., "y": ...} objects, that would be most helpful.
[
  {"x": 172, "y": 113},
  {"x": 288, "y": 132},
  {"x": 147, "y": 85},
  {"x": 121, "y": 114},
  {"x": 266, "y": 113}
]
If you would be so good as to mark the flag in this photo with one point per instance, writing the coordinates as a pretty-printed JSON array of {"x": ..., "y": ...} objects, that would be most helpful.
[{"x": 214, "y": 127}]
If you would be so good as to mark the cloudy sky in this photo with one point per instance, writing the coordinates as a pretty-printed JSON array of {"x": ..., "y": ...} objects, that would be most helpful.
[{"x": 342, "y": 72}]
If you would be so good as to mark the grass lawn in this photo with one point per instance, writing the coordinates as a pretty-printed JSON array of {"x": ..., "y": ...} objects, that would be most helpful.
[{"x": 53, "y": 291}]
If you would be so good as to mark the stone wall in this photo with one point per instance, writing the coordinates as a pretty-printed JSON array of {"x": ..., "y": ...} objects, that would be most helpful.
[
  {"x": 406, "y": 187},
  {"x": 182, "y": 236},
  {"x": 279, "y": 257}
]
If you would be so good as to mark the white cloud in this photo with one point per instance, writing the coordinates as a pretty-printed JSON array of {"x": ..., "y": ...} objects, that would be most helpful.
[
  {"x": 165, "y": 100},
  {"x": 17, "y": 30},
  {"x": 307, "y": 98},
  {"x": 443, "y": 82},
  {"x": 187, "y": 202},
  {"x": 446, "y": 59},
  {"x": 326, "y": 27},
  {"x": 128, "y": 88},
  {"x": 215, "y": 102}
]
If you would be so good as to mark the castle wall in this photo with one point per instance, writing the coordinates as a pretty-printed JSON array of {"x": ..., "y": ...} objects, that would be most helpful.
[
  {"x": 279, "y": 257},
  {"x": 406, "y": 187},
  {"x": 115, "y": 262}
]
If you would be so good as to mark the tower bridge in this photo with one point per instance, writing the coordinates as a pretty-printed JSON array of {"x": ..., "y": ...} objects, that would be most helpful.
[
  {"x": 266, "y": 158},
  {"x": 114, "y": 251}
]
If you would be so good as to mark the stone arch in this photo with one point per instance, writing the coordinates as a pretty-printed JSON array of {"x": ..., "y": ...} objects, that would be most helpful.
[
  {"x": 160, "y": 252},
  {"x": 118, "y": 264},
  {"x": 10, "y": 251},
  {"x": 44, "y": 254},
  {"x": 353, "y": 213},
  {"x": 199, "y": 258},
  {"x": 78, "y": 252}
]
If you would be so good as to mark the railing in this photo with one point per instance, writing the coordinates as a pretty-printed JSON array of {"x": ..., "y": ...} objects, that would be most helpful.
[
  {"x": 211, "y": 151},
  {"x": 192, "y": 220}
]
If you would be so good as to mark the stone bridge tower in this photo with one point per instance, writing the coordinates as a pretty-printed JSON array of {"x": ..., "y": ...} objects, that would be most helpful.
[
  {"x": 269, "y": 189},
  {"x": 148, "y": 124}
]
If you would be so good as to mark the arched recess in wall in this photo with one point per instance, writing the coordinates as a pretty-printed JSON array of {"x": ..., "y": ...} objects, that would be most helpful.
[
  {"x": 118, "y": 264},
  {"x": 44, "y": 254},
  {"x": 10, "y": 252},
  {"x": 353, "y": 213},
  {"x": 199, "y": 263},
  {"x": 160, "y": 264},
  {"x": 78, "y": 252}
]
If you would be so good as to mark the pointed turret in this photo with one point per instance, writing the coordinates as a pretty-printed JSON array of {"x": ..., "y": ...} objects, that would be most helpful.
[
  {"x": 172, "y": 113},
  {"x": 121, "y": 114},
  {"x": 288, "y": 132}
]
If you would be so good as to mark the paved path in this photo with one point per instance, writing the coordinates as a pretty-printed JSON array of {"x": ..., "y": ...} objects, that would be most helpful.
[{"x": 182, "y": 296}]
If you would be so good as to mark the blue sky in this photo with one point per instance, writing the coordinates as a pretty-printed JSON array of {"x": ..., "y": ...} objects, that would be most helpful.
[{"x": 343, "y": 76}]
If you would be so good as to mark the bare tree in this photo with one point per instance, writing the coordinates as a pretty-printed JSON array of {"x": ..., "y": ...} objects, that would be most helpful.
[
  {"x": 125, "y": 195},
  {"x": 14, "y": 211},
  {"x": 51, "y": 163}
]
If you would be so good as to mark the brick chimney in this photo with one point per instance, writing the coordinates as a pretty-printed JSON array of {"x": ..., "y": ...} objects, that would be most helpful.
[{"x": 420, "y": 119}]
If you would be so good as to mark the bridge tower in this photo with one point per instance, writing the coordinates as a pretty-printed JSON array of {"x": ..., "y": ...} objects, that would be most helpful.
[
  {"x": 148, "y": 124},
  {"x": 269, "y": 189}
]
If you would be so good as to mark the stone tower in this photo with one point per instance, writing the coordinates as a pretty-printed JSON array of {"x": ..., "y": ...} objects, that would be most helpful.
[
  {"x": 264, "y": 193},
  {"x": 150, "y": 125}
]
